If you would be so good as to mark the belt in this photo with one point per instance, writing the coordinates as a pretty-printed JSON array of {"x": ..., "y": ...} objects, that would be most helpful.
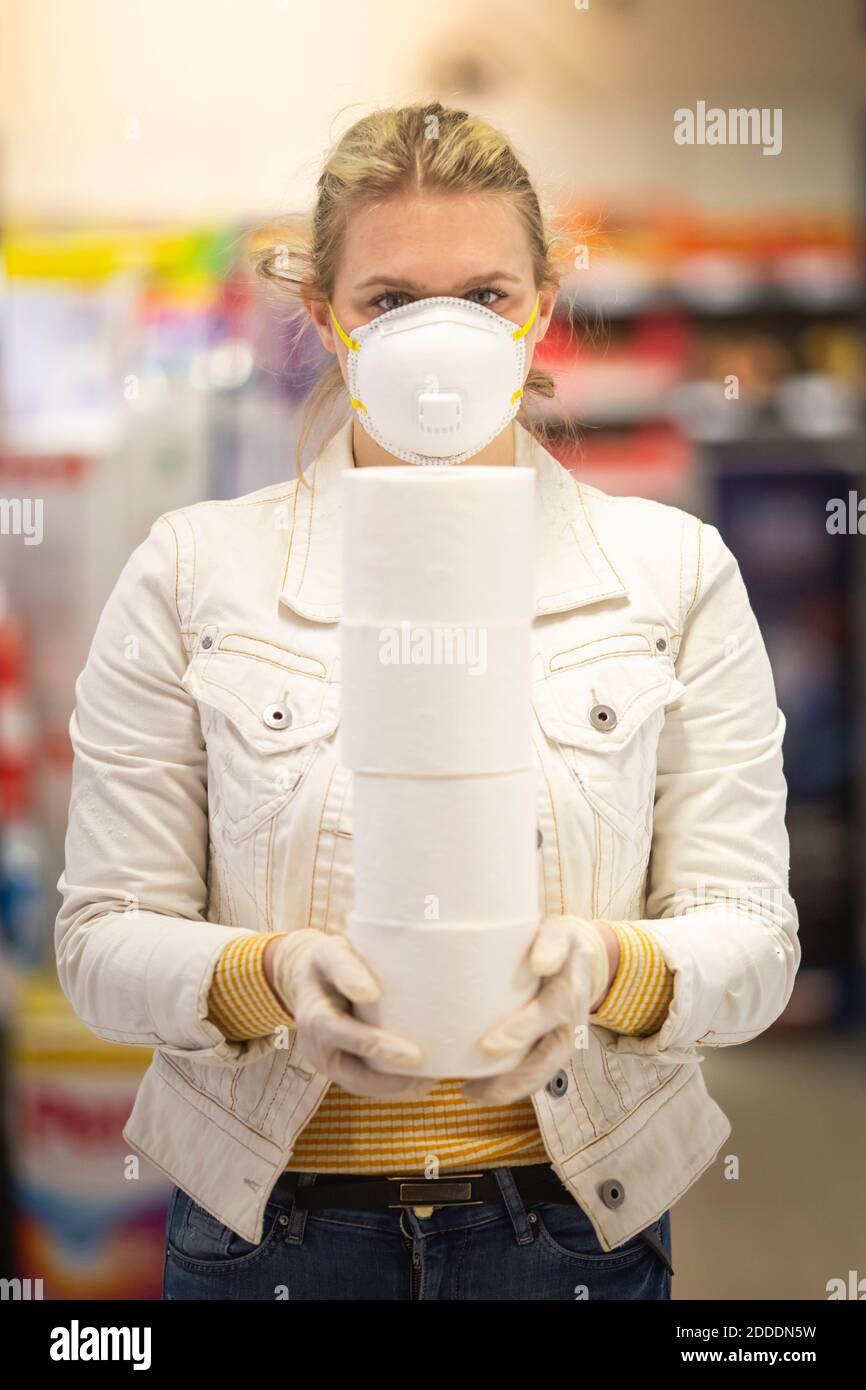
[{"x": 535, "y": 1182}]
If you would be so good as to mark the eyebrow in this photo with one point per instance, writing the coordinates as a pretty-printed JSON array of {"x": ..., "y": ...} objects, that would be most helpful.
[{"x": 395, "y": 283}]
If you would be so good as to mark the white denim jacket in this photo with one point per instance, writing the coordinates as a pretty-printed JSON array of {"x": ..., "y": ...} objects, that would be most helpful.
[{"x": 193, "y": 820}]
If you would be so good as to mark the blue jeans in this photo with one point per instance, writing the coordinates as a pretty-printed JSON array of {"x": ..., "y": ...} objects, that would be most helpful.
[{"x": 497, "y": 1250}]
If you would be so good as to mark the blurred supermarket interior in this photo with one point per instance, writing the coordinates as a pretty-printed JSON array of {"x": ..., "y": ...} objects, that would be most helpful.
[{"x": 145, "y": 148}]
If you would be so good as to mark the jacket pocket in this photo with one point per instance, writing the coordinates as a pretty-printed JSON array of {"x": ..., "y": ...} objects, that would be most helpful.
[
  {"x": 602, "y": 706},
  {"x": 264, "y": 711}
]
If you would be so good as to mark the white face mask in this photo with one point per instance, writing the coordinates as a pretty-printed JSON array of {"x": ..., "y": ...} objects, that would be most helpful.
[{"x": 435, "y": 381}]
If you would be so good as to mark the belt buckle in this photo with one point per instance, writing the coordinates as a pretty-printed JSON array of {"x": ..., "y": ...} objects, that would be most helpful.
[{"x": 453, "y": 1191}]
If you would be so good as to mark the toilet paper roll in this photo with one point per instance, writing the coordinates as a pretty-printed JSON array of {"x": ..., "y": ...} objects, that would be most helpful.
[
  {"x": 436, "y": 701},
  {"x": 460, "y": 849},
  {"x": 438, "y": 544},
  {"x": 444, "y": 987}
]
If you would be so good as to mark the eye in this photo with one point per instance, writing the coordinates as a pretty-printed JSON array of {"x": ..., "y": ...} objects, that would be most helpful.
[
  {"x": 498, "y": 294},
  {"x": 396, "y": 298}
]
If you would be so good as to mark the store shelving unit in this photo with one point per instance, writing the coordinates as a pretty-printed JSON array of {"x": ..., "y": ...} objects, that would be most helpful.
[{"x": 642, "y": 376}]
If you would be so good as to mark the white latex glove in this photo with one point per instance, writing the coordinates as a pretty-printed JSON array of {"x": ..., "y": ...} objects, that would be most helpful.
[
  {"x": 318, "y": 977},
  {"x": 570, "y": 954}
]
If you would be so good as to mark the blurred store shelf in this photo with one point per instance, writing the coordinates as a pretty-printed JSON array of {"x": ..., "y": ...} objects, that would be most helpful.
[{"x": 87, "y": 1214}]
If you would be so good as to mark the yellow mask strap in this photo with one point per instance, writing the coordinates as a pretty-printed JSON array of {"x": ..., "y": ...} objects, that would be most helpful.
[
  {"x": 521, "y": 332},
  {"x": 351, "y": 343}
]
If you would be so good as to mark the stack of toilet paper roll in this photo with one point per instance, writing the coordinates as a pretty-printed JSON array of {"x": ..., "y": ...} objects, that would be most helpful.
[{"x": 438, "y": 582}]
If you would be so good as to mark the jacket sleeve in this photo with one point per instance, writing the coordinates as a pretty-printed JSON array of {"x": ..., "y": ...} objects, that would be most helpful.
[
  {"x": 717, "y": 900},
  {"x": 135, "y": 952}
]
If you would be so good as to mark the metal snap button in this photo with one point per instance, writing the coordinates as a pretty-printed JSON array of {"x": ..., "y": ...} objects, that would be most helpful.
[
  {"x": 277, "y": 717},
  {"x": 602, "y": 717},
  {"x": 661, "y": 644},
  {"x": 207, "y": 642},
  {"x": 612, "y": 1193},
  {"x": 558, "y": 1083}
]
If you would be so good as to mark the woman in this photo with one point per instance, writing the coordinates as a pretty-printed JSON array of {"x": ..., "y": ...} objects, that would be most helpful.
[{"x": 208, "y": 867}]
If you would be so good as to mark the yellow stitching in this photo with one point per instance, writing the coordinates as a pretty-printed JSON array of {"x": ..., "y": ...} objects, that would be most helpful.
[
  {"x": 282, "y": 664},
  {"x": 635, "y": 870},
  {"x": 556, "y": 835},
  {"x": 309, "y": 534},
  {"x": 682, "y": 554},
  {"x": 338, "y": 812},
  {"x": 595, "y": 537},
  {"x": 596, "y": 642},
  {"x": 238, "y": 1119},
  {"x": 661, "y": 1087},
  {"x": 291, "y": 535},
  {"x": 228, "y": 897},
  {"x": 244, "y": 502},
  {"x": 268, "y": 880},
  {"x": 551, "y": 801},
  {"x": 698, "y": 571},
  {"x": 595, "y": 874},
  {"x": 194, "y": 566},
  {"x": 176, "y": 568},
  {"x": 611, "y": 1082},
  {"x": 569, "y": 603},
  {"x": 312, "y": 499},
  {"x": 591, "y": 660},
  {"x": 318, "y": 843}
]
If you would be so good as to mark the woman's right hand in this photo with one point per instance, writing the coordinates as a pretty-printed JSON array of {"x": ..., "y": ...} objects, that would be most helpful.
[{"x": 317, "y": 977}]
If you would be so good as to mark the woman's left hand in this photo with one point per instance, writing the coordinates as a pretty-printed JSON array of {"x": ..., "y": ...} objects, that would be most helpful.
[{"x": 575, "y": 963}]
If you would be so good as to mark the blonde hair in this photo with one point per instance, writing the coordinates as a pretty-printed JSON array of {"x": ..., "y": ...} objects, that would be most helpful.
[{"x": 423, "y": 146}]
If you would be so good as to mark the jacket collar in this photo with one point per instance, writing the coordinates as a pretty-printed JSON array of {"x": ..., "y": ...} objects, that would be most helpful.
[{"x": 572, "y": 569}]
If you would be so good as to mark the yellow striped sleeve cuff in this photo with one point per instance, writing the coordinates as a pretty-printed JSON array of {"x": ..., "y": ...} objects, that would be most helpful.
[
  {"x": 241, "y": 1002},
  {"x": 638, "y": 999}
]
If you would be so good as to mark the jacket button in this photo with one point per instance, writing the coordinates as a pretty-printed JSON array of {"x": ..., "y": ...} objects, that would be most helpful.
[
  {"x": 539, "y": 838},
  {"x": 612, "y": 1193},
  {"x": 602, "y": 717},
  {"x": 661, "y": 644},
  {"x": 207, "y": 642},
  {"x": 277, "y": 717},
  {"x": 558, "y": 1083}
]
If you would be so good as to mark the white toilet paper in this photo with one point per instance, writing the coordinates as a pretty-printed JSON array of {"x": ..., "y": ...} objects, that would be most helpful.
[
  {"x": 463, "y": 850},
  {"x": 438, "y": 544},
  {"x": 445, "y": 858},
  {"x": 444, "y": 987},
  {"x": 446, "y": 699}
]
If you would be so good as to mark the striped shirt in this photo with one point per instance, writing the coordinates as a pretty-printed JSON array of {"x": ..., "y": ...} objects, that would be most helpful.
[{"x": 442, "y": 1130}]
